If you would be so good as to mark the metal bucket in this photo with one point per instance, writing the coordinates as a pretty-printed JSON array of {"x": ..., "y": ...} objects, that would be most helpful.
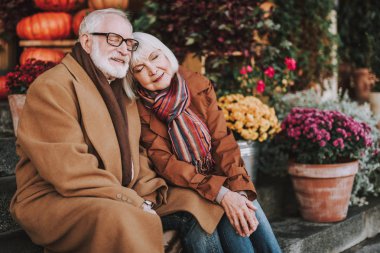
[{"x": 250, "y": 152}]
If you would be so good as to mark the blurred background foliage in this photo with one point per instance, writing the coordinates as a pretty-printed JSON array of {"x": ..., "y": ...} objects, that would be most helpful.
[{"x": 261, "y": 31}]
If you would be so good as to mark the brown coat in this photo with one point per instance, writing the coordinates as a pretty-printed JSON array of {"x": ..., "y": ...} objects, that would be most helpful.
[
  {"x": 64, "y": 201},
  {"x": 230, "y": 170}
]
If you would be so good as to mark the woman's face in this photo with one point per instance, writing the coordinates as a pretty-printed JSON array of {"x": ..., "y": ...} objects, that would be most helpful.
[{"x": 154, "y": 71}]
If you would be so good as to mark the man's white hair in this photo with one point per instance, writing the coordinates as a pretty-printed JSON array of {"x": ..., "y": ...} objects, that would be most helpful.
[
  {"x": 147, "y": 43},
  {"x": 94, "y": 18}
]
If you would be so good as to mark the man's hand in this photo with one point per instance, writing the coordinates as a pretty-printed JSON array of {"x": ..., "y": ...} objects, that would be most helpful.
[{"x": 241, "y": 213}]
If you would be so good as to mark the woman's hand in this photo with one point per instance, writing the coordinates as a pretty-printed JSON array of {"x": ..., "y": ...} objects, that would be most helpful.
[{"x": 241, "y": 213}]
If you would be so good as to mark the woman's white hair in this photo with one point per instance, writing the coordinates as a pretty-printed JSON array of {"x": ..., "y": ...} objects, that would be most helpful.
[
  {"x": 94, "y": 18},
  {"x": 147, "y": 42}
]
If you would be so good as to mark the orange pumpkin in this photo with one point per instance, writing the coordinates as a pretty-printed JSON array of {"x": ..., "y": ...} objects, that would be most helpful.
[
  {"x": 4, "y": 90},
  {"x": 103, "y": 4},
  {"x": 44, "y": 54},
  {"x": 58, "y": 5},
  {"x": 77, "y": 19},
  {"x": 45, "y": 26}
]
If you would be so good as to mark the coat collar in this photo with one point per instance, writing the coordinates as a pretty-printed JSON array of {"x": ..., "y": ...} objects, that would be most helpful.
[
  {"x": 98, "y": 123},
  {"x": 195, "y": 81}
]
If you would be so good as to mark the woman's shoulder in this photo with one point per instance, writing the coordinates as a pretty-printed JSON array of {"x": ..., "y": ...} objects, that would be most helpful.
[
  {"x": 144, "y": 113},
  {"x": 195, "y": 81}
]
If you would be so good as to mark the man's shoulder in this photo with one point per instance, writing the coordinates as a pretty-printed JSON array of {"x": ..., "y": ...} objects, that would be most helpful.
[{"x": 59, "y": 75}]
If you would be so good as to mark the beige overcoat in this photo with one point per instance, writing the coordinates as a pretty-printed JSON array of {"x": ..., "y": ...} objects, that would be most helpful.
[{"x": 64, "y": 201}]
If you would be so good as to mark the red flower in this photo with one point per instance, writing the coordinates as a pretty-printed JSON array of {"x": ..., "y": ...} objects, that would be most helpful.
[
  {"x": 249, "y": 69},
  {"x": 19, "y": 80},
  {"x": 290, "y": 63},
  {"x": 243, "y": 71},
  {"x": 269, "y": 72},
  {"x": 260, "y": 86}
]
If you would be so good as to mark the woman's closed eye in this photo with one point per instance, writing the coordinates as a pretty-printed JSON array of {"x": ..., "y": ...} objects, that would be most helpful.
[{"x": 138, "y": 69}]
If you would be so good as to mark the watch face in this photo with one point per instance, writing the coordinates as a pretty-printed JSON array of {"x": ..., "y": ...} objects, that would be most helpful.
[{"x": 148, "y": 202}]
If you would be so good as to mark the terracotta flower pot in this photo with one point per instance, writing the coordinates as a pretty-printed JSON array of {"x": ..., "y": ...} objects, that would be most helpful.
[
  {"x": 323, "y": 190},
  {"x": 16, "y": 103}
]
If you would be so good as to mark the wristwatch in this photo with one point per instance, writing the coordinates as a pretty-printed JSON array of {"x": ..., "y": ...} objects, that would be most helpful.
[{"x": 149, "y": 203}]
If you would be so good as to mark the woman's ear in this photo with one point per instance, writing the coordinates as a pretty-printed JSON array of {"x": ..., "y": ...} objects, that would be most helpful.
[{"x": 86, "y": 42}]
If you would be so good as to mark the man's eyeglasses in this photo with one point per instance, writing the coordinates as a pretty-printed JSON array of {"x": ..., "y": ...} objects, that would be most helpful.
[{"x": 116, "y": 40}]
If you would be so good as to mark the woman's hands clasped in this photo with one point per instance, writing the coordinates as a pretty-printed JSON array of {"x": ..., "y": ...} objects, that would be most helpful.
[{"x": 240, "y": 212}]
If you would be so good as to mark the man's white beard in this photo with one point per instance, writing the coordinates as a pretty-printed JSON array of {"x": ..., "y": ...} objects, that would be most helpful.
[{"x": 102, "y": 62}]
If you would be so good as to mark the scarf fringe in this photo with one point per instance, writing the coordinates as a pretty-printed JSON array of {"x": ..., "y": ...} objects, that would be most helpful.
[{"x": 205, "y": 166}]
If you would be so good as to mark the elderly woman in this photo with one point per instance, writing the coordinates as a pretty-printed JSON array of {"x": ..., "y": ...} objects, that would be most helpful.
[{"x": 185, "y": 134}]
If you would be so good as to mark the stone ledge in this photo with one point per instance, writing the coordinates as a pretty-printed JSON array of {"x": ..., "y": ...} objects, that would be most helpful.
[
  {"x": 18, "y": 241},
  {"x": 8, "y": 157},
  {"x": 370, "y": 245},
  {"x": 296, "y": 235},
  {"x": 6, "y": 125}
]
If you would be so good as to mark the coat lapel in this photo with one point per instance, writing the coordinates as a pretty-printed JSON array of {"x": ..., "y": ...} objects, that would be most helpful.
[
  {"x": 95, "y": 117},
  {"x": 134, "y": 132},
  {"x": 158, "y": 126}
]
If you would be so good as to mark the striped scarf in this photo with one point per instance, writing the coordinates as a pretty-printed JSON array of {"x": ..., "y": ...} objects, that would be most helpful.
[{"x": 190, "y": 137}]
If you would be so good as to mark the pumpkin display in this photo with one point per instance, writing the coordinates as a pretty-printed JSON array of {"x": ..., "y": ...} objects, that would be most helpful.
[
  {"x": 77, "y": 19},
  {"x": 44, "y": 54},
  {"x": 59, "y": 5},
  {"x": 3, "y": 87},
  {"x": 45, "y": 26},
  {"x": 103, "y": 4}
]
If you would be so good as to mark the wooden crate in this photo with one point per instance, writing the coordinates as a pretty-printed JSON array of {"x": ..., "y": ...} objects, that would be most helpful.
[{"x": 64, "y": 45}]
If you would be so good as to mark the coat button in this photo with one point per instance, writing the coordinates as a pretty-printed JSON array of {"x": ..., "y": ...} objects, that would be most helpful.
[
  {"x": 129, "y": 200},
  {"x": 118, "y": 196}
]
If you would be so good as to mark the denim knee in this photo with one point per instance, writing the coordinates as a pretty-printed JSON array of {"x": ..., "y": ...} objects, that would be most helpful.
[
  {"x": 194, "y": 239},
  {"x": 263, "y": 239},
  {"x": 230, "y": 240}
]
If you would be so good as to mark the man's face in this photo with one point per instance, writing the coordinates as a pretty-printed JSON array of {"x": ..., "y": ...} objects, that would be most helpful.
[{"x": 112, "y": 61}]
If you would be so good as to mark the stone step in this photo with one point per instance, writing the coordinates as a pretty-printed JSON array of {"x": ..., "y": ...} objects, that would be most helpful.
[
  {"x": 296, "y": 235},
  {"x": 370, "y": 245},
  {"x": 6, "y": 125},
  {"x": 8, "y": 157}
]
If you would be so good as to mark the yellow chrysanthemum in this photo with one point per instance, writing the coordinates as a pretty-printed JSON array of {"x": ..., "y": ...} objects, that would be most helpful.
[{"x": 249, "y": 117}]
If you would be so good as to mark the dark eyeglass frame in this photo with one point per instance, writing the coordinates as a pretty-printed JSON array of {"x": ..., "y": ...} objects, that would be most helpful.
[{"x": 129, "y": 48}]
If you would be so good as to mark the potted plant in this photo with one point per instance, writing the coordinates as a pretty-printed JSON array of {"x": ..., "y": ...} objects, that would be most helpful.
[
  {"x": 252, "y": 122},
  {"x": 324, "y": 147},
  {"x": 18, "y": 82},
  {"x": 359, "y": 49}
]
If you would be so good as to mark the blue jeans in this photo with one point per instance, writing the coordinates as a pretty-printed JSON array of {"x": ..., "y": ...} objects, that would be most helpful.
[
  {"x": 263, "y": 239},
  {"x": 193, "y": 238},
  {"x": 224, "y": 238}
]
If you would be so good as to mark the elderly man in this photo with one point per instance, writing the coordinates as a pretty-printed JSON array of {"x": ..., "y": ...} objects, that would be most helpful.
[{"x": 84, "y": 184}]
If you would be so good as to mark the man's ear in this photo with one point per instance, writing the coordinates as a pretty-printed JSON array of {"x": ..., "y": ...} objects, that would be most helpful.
[{"x": 86, "y": 42}]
